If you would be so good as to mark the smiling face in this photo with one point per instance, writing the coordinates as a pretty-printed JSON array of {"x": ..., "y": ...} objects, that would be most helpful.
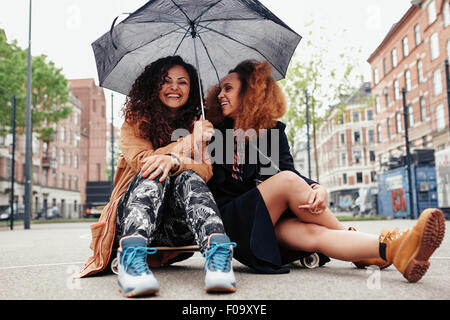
[
  {"x": 176, "y": 87},
  {"x": 229, "y": 96}
]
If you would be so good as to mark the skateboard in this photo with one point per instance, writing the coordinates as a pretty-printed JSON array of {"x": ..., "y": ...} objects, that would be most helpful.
[{"x": 310, "y": 261}]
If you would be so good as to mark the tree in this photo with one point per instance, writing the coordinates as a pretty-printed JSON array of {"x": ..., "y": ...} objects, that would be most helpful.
[
  {"x": 50, "y": 92},
  {"x": 327, "y": 77}
]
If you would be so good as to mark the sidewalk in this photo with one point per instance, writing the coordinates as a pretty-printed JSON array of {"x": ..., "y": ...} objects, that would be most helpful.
[{"x": 39, "y": 264}]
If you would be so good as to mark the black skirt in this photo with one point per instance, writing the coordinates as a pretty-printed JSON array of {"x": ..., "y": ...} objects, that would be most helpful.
[{"x": 247, "y": 222}]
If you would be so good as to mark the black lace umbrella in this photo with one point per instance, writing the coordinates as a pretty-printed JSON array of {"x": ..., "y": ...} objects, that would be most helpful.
[{"x": 213, "y": 35}]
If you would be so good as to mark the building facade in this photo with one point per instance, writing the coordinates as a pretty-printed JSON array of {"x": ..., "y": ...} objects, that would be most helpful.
[
  {"x": 346, "y": 143},
  {"x": 412, "y": 57},
  {"x": 56, "y": 172},
  {"x": 93, "y": 130}
]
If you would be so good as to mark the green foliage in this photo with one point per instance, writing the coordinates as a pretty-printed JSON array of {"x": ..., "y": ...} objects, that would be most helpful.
[
  {"x": 326, "y": 76},
  {"x": 50, "y": 90}
]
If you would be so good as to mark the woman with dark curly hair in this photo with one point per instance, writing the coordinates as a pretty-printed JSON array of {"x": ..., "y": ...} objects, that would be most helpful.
[
  {"x": 276, "y": 214},
  {"x": 160, "y": 195}
]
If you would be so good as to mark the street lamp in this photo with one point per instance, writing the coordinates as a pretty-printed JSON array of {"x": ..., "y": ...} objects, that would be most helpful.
[{"x": 28, "y": 134}]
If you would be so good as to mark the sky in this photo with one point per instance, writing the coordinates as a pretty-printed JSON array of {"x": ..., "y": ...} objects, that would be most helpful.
[{"x": 64, "y": 29}]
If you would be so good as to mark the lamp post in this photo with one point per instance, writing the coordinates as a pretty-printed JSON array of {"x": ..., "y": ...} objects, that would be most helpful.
[
  {"x": 28, "y": 134},
  {"x": 408, "y": 155},
  {"x": 308, "y": 147}
]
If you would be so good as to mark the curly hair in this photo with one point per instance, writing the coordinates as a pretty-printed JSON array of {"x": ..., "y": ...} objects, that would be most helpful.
[
  {"x": 263, "y": 101},
  {"x": 144, "y": 109}
]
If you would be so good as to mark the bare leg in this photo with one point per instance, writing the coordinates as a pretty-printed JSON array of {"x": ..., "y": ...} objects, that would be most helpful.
[
  {"x": 287, "y": 190},
  {"x": 337, "y": 244}
]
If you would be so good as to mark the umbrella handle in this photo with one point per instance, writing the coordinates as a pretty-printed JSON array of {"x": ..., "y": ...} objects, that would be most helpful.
[{"x": 198, "y": 76}]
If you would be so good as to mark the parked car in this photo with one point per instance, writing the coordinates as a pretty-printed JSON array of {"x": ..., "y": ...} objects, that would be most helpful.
[
  {"x": 5, "y": 212},
  {"x": 52, "y": 213}
]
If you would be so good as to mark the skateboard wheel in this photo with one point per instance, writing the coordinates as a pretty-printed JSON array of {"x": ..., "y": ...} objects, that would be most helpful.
[
  {"x": 312, "y": 261},
  {"x": 115, "y": 266}
]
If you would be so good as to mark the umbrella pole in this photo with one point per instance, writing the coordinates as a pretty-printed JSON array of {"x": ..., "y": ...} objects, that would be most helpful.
[{"x": 198, "y": 76}]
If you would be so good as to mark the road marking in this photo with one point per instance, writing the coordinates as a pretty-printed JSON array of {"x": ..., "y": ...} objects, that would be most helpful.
[
  {"x": 41, "y": 265},
  {"x": 82, "y": 262}
]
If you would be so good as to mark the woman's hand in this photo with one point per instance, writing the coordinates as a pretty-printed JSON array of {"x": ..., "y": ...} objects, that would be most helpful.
[
  {"x": 156, "y": 165},
  {"x": 317, "y": 202},
  {"x": 203, "y": 130}
]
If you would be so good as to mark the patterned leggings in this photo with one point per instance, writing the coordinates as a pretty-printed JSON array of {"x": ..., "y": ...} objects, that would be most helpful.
[{"x": 178, "y": 211}]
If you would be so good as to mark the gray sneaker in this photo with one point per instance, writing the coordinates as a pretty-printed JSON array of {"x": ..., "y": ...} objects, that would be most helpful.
[
  {"x": 135, "y": 278},
  {"x": 219, "y": 271}
]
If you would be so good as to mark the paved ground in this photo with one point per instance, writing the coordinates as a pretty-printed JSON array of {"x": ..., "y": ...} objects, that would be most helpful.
[{"x": 39, "y": 263}]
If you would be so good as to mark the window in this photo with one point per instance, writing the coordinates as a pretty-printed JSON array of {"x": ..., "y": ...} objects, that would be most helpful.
[
  {"x": 417, "y": 34},
  {"x": 394, "y": 58},
  {"x": 410, "y": 116},
  {"x": 373, "y": 176},
  {"x": 379, "y": 133},
  {"x": 343, "y": 159},
  {"x": 423, "y": 110},
  {"x": 45, "y": 177},
  {"x": 342, "y": 138},
  {"x": 377, "y": 104},
  {"x": 54, "y": 178},
  {"x": 440, "y": 119},
  {"x": 408, "y": 80},
  {"x": 63, "y": 134},
  {"x": 420, "y": 71},
  {"x": 405, "y": 47},
  {"x": 370, "y": 112},
  {"x": 388, "y": 125},
  {"x": 434, "y": 44},
  {"x": 396, "y": 90},
  {"x": 437, "y": 82},
  {"x": 75, "y": 161},
  {"x": 344, "y": 178},
  {"x": 372, "y": 157},
  {"x": 69, "y": 159},
  {"x": 446, "y": 14},
  {"x": 62, "y": 157},
  {"x": 355, "y": 116},
  {"x": 359, "y": 177},
  {"x": 76, "y": 118},
  {"x": 54, "y": 152},
  {"x": 386, "y": 97},
  {"x": 371, "y": 135},
  {"x": 357, "y": 157},
  {"x": 431, "y": 12},
  {"x": 376, "y": 77},
  {"x": 398, "y": 123},
  {"x": 357, "y": 137},
  {"x": 384, "y": 67}
]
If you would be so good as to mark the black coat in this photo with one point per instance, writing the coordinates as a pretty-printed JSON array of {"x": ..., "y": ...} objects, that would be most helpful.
[{"x": 245, "y": 216}]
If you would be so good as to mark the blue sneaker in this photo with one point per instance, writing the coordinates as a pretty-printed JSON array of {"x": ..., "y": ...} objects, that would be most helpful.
[
  {"x": 135, "y": 278},
  {"x": 219, "y": 271}
]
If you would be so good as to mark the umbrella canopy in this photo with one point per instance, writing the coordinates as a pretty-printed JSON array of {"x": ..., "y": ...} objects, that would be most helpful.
[{"x": 214, "y": 35}]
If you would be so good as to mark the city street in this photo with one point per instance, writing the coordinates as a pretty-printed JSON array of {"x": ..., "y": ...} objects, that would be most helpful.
[{"x": 38, "y": 264}]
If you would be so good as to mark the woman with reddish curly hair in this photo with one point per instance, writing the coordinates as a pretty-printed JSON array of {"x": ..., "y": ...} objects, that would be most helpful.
[
  {"x": 160, "y": 193},
  {"x": 273, "y": 212}
]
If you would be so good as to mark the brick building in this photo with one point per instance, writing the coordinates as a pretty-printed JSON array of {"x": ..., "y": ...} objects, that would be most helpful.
[
  {"x": 62, "y": 167},
  {"x": 56, "y": 172},
  {"x": 412, "y": 56},
  {"x": 346, "y": 143},
  {"x": 93, "y": 129}
]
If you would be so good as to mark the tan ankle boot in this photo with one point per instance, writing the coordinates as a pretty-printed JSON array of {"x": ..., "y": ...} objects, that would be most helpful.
[
  {"x": 386, "y": 234},
  {"x": 410, "y": 250}
]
